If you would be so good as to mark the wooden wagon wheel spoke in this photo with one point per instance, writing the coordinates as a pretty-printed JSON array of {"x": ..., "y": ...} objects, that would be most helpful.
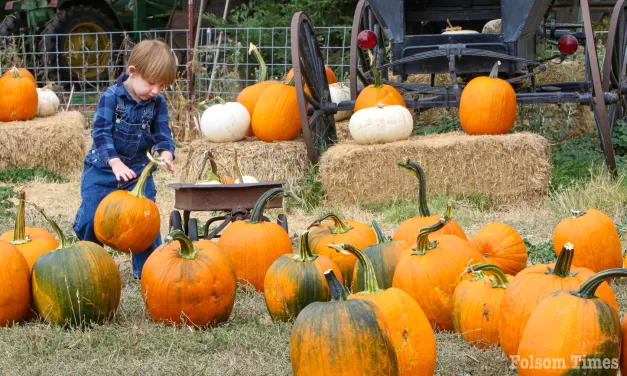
[
  {"x": 309, "y": 70},
  {"x": 593, "y": 75}
]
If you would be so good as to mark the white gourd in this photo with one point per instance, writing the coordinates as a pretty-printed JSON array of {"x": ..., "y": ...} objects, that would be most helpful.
[
  {"x": 340, "y": 92},
  {"x": 381, "y": 124},
  {"x": 226, "y": 122},
  {"x": 48, "y": 102}
]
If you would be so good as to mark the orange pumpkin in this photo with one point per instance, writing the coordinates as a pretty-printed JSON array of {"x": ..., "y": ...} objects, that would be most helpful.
[
  {"x": 253, "y": 245},
  {"x": 14, "y": 272},
  {"x": 578, "y": 332},
  {"x": 343, "y": 337},
  {"x": 430, "y": 272},
  {"x": 384, "y": 256},
  {"x": 23, "y": 72},
  {"x": 595, "y": 237},
  {"x": 276, "y": 116},
  {"x": 250, "y": 95},
  {"x": 18, "y": 95},
  {"x": 294, "y": 281},
  {"x": 126, "y": 221},
  {"x": 377, "y": 93},
  {"x": 476, "y": 305},
  {"x": 487, "y": 105},
  {"x": 331, "y": 77},
  {"x": 533, "y": 284},
  {"x": 410, "y": 330},
  {"x": 188, "y": 283},
  {"x": 623, "y": 353},
  {"x": 322, "y": 233},
  {"x": 500, "y": 244},
  {"x": 409, "y": 229},
  {"x": 31, "y": 241}
]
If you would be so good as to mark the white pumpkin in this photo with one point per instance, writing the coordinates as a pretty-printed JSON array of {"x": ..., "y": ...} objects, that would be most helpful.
[
  {"x": 247, "y": 179},
  {"x": 340, "y": 92},
  {"x": 225, "y": 122},
  {"x": 48, "y": 102},
  {"x": 381, "y": 124}
]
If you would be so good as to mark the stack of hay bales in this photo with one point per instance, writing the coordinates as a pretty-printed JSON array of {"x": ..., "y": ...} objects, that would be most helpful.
[
  {"x": 56, "y": 142},
  {"x": 266, "y": 161},
  {"x": 505, "y": 168}
]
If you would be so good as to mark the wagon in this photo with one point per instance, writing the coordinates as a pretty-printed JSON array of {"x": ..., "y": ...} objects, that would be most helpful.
[{"x": 409, "y": 40}]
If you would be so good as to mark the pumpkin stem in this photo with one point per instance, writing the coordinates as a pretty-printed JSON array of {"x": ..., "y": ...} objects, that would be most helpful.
[
  {"x": 16, "y": 72},
  {"x": 375, "y": 71},
  {"x": 238, "y": 173},
  {"x": 499, "y": 280},
  {"x": 19, "y": 232},
  {"x": 263, "y": 70},
  {"x": 141, "y": 182},
  {"x": 305, "y": 254},
  {"x": 564, "y": 261},
  {"x": 577, "y": 213},
  {"x": 370, "y": 278},
  {"x": 213, "y": 174},
  {"x": 589, "y": 287},
  {"x": 423, "y": 245},
  {"x": 494, "y": 73},
  {"x": 381, "y": 238},
  {"x": 339, "y": 226},
  {"x": 63, "y": 243},
  {"x": 187, "y": 250},
  {"x": 291, "y": 82},
  {"x": 256, "y": 215},
  {"x": 338, "y": 293},
  {"x": 415, "y": 169}
]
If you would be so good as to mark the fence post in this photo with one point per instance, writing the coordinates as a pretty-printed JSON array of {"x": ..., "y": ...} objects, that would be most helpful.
[{"x": 190, "y": 56}]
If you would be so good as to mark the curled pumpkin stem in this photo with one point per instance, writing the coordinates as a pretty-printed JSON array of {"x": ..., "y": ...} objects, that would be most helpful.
[
  {"x": 339, "y": 227},
  {"x": 63, "y": 243}
]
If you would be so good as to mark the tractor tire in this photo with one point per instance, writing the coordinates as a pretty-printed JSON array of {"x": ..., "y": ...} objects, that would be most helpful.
[{"x": 64, "y": 67}]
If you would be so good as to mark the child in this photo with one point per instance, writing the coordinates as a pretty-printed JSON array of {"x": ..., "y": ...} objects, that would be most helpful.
[{"x": 131, "y": 118}]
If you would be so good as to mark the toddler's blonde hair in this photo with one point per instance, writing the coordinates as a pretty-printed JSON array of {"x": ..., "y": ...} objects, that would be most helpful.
[{"x": 153, "y": 61}]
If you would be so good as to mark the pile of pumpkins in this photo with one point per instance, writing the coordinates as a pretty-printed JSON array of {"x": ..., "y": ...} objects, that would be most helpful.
[
  {"x": 21, "y": 98},
  {"x": 373, "y": 289},
  {"x": 269, "y": 109}
]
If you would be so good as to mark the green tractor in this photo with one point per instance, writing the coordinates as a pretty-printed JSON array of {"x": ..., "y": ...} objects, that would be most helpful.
[{"x": 68, "y": 29}]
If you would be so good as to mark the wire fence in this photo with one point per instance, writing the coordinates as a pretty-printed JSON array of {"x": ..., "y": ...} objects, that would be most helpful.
[{"x": 82, "y": 66}]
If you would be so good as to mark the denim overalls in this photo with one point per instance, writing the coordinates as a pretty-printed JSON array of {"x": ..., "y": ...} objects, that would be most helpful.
[{"x": 131, "y": 139}]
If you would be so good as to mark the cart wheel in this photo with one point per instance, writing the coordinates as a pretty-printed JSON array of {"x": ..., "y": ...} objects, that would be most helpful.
[
  {"x": 365, "y": 19},
  {"x": 319, "y": 128},
  {"x": 282, "y": 220},
  {"x": 176, "y": 223},
  {"x": 606, "y": 115},
  {"x": 192, "y": 229}
]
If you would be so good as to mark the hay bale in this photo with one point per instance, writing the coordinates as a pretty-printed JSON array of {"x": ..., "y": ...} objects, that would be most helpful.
[
  {"x": 505, "y": 168},
  {"x": 56, "y": 142},
  {"x": 267, "y": 161}
]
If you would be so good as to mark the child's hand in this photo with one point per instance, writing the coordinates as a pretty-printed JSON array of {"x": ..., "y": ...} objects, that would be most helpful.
[
  {"x": 120, "y": 170},
  {"x": 167, "y": 158}
]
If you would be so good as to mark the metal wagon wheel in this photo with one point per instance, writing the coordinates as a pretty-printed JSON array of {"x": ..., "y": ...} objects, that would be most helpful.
[
  {"x": 366, "y": 19},
  {"x": 607, "y": 115},
  {"x": 318, "y": 126}
]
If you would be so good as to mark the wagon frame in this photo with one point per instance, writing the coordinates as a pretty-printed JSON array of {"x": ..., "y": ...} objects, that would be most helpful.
[{"x": 461, "y": 56}]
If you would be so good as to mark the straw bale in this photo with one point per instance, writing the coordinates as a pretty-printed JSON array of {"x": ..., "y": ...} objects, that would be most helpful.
[
  {"x": 56, "y": 142},
  {"x": 506, "y": 168},
  {"x": 266, "y": 161}
]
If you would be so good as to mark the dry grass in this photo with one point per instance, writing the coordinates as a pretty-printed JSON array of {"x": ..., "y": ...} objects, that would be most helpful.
[
  {"x": 55, "y": 142},
  {"x": 266, "y": 161},
  {"x": 505, "y": 168}
]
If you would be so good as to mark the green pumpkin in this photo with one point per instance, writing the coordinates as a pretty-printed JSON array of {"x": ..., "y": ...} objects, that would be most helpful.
[{"x": 75, "y": 284}]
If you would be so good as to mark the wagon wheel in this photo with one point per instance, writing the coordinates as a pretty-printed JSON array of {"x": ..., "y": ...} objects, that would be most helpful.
[
  {"x": 365, "y": 19},
  {"x": 319, "y": 126},
  {"x": 615, "y": 49},
  {"x": 192, "y": 229},
  {"x": 615, "y": 66},
  {"x": 176, "y": 223}
]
